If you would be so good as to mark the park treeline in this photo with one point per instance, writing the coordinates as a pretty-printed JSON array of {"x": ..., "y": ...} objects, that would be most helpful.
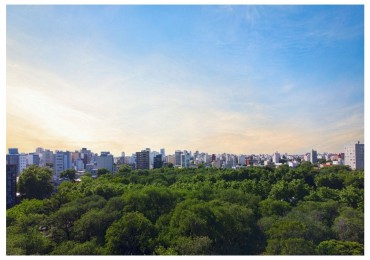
[{"x": 202, "y": 211}]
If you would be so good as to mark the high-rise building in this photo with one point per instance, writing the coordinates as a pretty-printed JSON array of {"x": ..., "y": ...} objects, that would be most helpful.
[
  {"x": 49, "y": 157},
  {"x": 354, "y": 156},
  {"x": 276, "y": 157},
  {"x": 11, "y": 184},
  {"x": 12, "y": 158},
  {"x": 62, "y": 162},
  {"x": 33, "y": 159},
  {"x": 178, "y": 158},
  {"x": 79, "y": 165},
  {"x": 86, "y": 156},
  {"x": 185, "y": 159},
  {"x": 143, "y": 160},
  {"x": 163, "y": 153},
  {"x": 13, "y": 151},
  {"x": 241, "y": 160},
  {"x": 39, "y": 150},
  {"x": 313, "y": 157},
  {"x": 46, "y": 157},
  {"x": 170, "y": 159},
  {"x": 22, "y": 162},
  {"x": 105, "y": 160},
  {"x": 152, "y": 156},
  {"x": 158, "y": 161},
  {"x": 75, "y": 155}
]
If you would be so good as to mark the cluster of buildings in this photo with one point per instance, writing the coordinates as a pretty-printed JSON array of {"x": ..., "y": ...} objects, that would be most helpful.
[{"x": 85, "y": 160}]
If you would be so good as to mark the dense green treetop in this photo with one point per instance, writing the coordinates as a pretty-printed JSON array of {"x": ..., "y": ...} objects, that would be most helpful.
[
  {"x": 201, "y": 211},
  {"x": 35, "y": 182}
]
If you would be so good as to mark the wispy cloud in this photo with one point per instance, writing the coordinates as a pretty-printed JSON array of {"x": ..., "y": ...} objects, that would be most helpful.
[{"x": 231, "y": 83}]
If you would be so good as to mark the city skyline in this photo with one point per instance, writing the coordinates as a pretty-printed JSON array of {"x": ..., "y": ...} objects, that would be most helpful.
[
  {"x": 36, "y": 150},
  {"x": 234, "y": 79}
]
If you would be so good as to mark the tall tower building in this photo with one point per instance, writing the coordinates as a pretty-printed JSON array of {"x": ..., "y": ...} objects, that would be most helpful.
[
  {"x": 12, "y": 165},
  {"x": 62, "y": 162},
  {"x": 185, "y": 159},
  {"x": 86, "y": 156},
  {"x": 354, "y": 156},
  {"x": 11, "y": 184},
  {"x": 178, "y": 158},
  {"x": 313, "y": 157},
  {"x": 163, "y": 153},
  {"x": 22, "y": 163},
  {"x": 158, "y": 161},
  {"x": 143, "y": 160},
  {"x": 12, "y": 158},
  {"x": 276, "y": 157}
]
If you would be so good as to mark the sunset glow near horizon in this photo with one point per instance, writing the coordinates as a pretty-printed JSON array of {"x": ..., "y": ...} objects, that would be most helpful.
[{"x": 214, "y": 78}]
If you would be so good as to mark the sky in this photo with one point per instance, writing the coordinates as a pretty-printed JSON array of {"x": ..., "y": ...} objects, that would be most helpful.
[{"x": 214, "y": 78}]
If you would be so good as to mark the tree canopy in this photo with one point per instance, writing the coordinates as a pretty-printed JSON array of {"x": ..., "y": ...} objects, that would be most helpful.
[
  {"x": 200, "y": 211},
  {"x": 35, "y": 182}
]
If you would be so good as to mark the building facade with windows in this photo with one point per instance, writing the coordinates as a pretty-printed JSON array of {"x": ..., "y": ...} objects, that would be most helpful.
[
  {"x": 143, "y": 160},
  {"x": 354, "y": 155}
]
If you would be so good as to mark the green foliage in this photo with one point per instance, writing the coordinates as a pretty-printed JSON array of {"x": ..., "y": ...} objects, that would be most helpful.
[
  {"x": 131, "y": 235},
  {"x": 193, "y": 245},
  {"x": 349, "y": 225},
  {"x": 102, "y": 171},
  {"x": 35, "y": 182},
  {"x": 291, "y": 192},
  {"x": 76, "y": 248},
  {"x": 336, "y": 247},
  {"x": 202, "y": 211},
  {"x": 70, "y": 174},
  {"x": 270, "y": 207}
]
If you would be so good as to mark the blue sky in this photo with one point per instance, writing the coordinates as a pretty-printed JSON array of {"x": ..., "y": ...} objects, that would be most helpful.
[{"x": 215, "y": 78}]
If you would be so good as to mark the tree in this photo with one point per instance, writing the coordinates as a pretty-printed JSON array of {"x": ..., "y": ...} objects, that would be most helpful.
[
  {"x": 270, "y": 207},
  {"x": 35, "y": 182},
  {"x": 93, "y": 223},
  {"x": 353, "y": 197},
  {"x": 75, "y": 248},
  {"x": 102, "y": 171},
  {"x": 336, "y": 247},
  {"x": 349, "y": 225},
  {"x": 133, "y": 234},
  {"x": 70, "y": 174},
  {"x": 194, "y": 245},
  {"x": 288, "y": 237},
  {"x": 124, "y": 170},
  {"x": 291, "y": 192}
]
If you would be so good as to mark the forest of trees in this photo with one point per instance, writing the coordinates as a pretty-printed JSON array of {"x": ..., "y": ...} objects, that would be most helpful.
[{"x": 204, "y": 211}]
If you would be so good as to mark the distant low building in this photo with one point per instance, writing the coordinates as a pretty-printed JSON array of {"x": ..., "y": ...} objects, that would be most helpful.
[{"x": 293, "y": 164}]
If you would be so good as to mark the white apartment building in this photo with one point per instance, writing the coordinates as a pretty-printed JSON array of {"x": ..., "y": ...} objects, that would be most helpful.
[
  {"x": 62, "y": 162},
  {"x": 354, "y": 156},
  {"x": 276, "y": 157}
]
